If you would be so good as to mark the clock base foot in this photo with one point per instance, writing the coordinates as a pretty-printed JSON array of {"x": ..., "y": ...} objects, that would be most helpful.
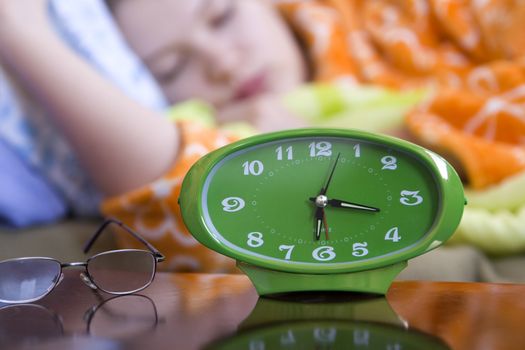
[{"x": 375, "y": 281}]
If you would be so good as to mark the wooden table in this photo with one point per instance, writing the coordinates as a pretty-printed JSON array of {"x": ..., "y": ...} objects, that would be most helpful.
[{"x": 192, "y": 311}]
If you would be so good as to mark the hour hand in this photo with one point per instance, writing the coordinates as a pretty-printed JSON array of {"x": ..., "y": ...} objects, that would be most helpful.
[
  {"x": 345, "y": 204},
  {"x": 319, "y": 215}
]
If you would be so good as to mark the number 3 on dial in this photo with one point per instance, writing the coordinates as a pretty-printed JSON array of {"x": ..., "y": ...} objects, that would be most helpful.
[{"x": 410, "y": 198}]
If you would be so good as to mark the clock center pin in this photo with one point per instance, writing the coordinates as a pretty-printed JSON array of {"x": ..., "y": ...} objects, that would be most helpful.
[{"x": 321, "y": 201}]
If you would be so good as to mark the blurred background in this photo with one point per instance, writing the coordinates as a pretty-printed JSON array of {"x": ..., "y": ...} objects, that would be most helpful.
[{"x": 447, "y": 75}]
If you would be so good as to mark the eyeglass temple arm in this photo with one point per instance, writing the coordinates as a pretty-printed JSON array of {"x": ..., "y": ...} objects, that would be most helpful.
[{"x": 160, "y": 257}]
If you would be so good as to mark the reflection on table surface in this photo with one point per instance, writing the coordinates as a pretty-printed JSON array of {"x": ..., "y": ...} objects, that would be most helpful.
[
  {"x": 26, "y": 325},
  {"x": 192, "y": 311},
  {"x": 326, "y": 321}
]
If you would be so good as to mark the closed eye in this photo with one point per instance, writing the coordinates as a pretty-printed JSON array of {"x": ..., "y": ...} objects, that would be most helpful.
[
  {"x": 167, "y": 65},
  {"x": 223, "y": 15},
  {"x": 170, "y": 74}
]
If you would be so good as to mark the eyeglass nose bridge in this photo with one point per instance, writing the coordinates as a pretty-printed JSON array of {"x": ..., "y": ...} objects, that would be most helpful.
[
  {"x": 74, "y": 264},
  {"x": 83, "y": 276}
]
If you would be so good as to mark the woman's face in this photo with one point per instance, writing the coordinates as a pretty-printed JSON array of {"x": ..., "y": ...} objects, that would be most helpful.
[{"x": 222, "y": 51}]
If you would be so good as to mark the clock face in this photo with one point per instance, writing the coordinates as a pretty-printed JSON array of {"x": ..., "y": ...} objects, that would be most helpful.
[
  {"x": 321, "y": 202},
  {"x": 261, "y": 201}
]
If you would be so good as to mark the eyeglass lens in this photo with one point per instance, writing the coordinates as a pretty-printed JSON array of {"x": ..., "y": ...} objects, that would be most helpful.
[
  {"x": 122, "y": 271},
  {"x": 25, "y": 280}
]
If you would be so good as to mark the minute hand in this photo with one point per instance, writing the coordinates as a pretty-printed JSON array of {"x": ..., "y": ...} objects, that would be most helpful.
[{"x": 344, "y": 204}]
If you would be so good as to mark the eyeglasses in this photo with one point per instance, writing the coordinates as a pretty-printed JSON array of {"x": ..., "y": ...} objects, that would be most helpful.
[{"x": 118, "y": 272}]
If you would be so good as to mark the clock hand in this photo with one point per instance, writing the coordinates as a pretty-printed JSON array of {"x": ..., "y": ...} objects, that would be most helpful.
[
  {"x": 325, "y": 188},
  {"x": 345, "y": 204},
  {"x": 320, "y": 221},
  {"x": 320, "y": 218}
]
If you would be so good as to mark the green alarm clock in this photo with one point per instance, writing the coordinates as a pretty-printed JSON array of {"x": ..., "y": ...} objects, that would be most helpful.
[{"x": 321, "y": 209}]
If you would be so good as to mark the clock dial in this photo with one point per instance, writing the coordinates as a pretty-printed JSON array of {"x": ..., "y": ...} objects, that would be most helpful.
[{"x": 314, "y": 203}]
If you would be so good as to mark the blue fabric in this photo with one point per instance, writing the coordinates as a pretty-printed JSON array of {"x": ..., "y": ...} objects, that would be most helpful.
[
  {"x": 88, "y": 28},
  {"x": 25, "y": 198}
]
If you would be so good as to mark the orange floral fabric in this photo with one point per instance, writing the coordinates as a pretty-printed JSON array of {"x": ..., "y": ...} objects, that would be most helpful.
[
  {"x": 153, "y": 210},
  {"x": 470, "y": 53}
]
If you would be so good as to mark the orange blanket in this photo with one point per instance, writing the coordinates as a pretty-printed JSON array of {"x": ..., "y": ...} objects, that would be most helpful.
[
  {"x": 469, "y": 53},
  {"x": 153, "y": 210}
]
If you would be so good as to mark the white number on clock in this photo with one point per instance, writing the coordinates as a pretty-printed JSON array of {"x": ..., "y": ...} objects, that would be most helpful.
[
  {"x": 255, "y": 239},
  {"x": 287, "y": 339},
  {"x": 410, "y": 198},
  {"x": 257, "y": 344},
  {"x": 389, "y": 163},
  {"x": 359, "y": 249},
  {"x": 288, "y": 249},
  {"x": 322, "y": 148},
  {"x": 357, "y": 150},
  {"x": 232, "y": 204},
  {"x": 393, "y": 235},
  {"x": 325, "y": 335},
  {"x": 255, "y": 167},
  {"x": 361, "y": 337},
  {"x": 288, "y": 150},
  {"x": 323, "y": 253}
]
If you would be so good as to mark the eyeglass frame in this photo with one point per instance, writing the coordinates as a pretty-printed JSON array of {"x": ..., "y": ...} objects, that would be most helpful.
[{"x": 87, "y": 278}]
